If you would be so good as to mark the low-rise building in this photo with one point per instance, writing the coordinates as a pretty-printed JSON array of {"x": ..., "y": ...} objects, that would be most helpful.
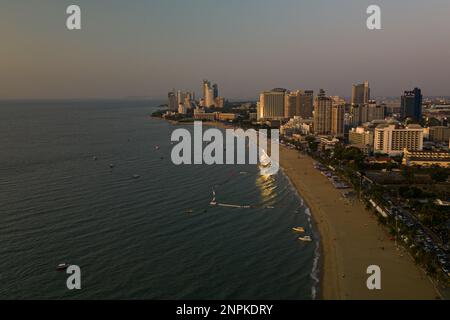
[
  {"x": 426, "y": 158},
  {"x": 200, "y": 114},
  {"x": 328, "y": 142},
  {"x": 227, "y": 116}
]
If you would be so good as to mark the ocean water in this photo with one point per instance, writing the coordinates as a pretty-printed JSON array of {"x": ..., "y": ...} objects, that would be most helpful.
[{"x": 155, "y": 237}]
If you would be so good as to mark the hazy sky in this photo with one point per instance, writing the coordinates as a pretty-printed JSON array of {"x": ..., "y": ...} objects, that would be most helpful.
[{"x": 146, "y": 47}]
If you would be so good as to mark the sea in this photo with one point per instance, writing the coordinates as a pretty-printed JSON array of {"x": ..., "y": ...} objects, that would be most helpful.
[{"x": 91, "y": 183}]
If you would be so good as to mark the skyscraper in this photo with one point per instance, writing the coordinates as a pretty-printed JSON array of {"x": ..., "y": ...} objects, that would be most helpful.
[
  {"x": 205, "y": 87},
  {"x": 360, "y": 93},
  {"x": 322, "y": 114},
  {"x": 210, "y": 93},
  {"x": 181, "y": 96},
  {"x": 337, "y": 120},
  {"x": 209, "y": 98},
  {"x": 173, "y": 101},
  {"x": 305, "y": 104},
  {"x": 411, "y": 104},
  {"x": 375, "y": 111}
]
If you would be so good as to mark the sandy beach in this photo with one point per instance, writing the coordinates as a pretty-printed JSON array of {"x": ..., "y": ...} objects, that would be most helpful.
[{"x": 352, "y": 240}]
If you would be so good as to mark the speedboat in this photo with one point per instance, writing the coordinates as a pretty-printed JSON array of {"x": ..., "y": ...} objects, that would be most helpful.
[
  {"x": 299, "y": 229},
  {"x": 62, "y": 266},
  {"x": 136, "y": 176},
  {"x": 305, "y": 239},
  {"x": 213, "y": 201}
]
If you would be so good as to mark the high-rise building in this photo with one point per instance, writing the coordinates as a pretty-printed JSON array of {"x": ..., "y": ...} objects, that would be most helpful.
[
  {"x": 411, "y": 104},
  {"x": 394, "y": 139},
  {"x": 375, "y": 111},
  {"x": 322, "y": 114},
  {"x": 271, "y": 104},
  {"x": 299, "y": 103},
  {"x": 337, "y": 120},
  {"x": 216, "y": 91},
  {"x": 209, "y": 98},
  {"x": 173, "y": 101},
  {"x": 181, "y": 96},
  {"x": 290, "y": 104},
  {"x": 358, "y": 114},
  {"x": 210, "y": 93},
  {"x": 367, "y": 112},
  {"x": 305, "y": 104},
  {"x": 205, "y": 87},
  {"x": 360, "y": 93}
]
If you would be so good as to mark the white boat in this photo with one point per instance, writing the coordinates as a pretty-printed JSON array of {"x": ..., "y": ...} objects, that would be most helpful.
[
  {"x": 299, "y": 229},
  {"x": 305, "y": 239},
  {"x": 213, "y": 201},
  {"x": 62, "y": 267}
]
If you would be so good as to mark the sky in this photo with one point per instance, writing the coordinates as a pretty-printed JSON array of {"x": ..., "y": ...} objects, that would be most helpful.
[{"x": 140, "y": 48}]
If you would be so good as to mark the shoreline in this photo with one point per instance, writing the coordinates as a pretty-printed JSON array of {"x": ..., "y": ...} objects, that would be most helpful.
[{"x": 351, "y": 240}]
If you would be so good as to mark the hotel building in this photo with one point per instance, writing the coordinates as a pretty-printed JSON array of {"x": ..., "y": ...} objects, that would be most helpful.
[
  {"x": 272, "y": 105},
  {"x": 394, "y": 139}
]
